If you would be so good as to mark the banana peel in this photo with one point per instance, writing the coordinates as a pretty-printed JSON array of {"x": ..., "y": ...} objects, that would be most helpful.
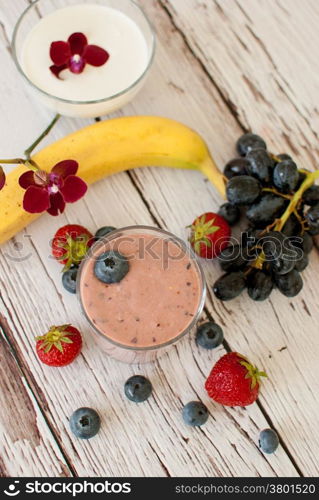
[{"x": 108, "y": 147}]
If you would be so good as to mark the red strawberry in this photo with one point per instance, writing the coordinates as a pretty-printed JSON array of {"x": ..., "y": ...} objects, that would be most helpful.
[
  {"x": 234, "y": 381},
  {"x": 210, "y": 235},
  {"x": 60, "y": 346},
  {"x": 70, "y": 244}
]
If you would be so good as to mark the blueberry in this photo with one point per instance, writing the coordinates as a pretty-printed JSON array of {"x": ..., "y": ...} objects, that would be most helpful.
[
  {"x": 195, "y": 414},
  {"x": 85, "y": 423},
  {"x": 209, "y": 335},
  {"x": 268, "y": 441},
  {"x": 230, "y": 212},
  {"x": 138, "y": 388},
  {"x": 69, "y": 279},
  {"x": 248, "y": 142},
  {"x": 103, "y": 231},
  {"x": 111, "y": 267},
  {"x": 243, "y": 190},
  {"x": 237, "y": 166}
]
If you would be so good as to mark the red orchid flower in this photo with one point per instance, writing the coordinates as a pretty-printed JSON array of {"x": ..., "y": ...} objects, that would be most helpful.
[
  {"x": 2, "y": 178},
  {"x": 75, "y": 54},
  {"x": 51, "y": 191}
]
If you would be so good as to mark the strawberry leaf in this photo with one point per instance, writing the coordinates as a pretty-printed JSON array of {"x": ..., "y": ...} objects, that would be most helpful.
[
  {"x": 66, "y": 340},
  {"x": 253, "y": 382},
  {"x": 58, "y": 345},
  {"x": 213, "y": 230},
  {"x": 197, "y": 247}
]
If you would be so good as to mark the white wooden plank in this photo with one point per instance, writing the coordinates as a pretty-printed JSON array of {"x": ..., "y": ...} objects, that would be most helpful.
[{"x": 27, "y": 445}]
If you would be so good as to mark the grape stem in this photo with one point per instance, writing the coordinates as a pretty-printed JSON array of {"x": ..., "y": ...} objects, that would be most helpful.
[
  {"x": 307, "y": 183},
  {"x": 274, "y": 191},
  {"x": 294, "y": 202}
]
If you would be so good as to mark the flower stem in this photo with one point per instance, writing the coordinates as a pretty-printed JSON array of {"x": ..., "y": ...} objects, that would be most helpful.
[
  {"x": 29, "y": 150},
  {"x": 13, "y": 161}
]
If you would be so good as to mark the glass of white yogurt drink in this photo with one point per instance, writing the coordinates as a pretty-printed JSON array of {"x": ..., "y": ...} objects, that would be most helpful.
[{"x": 119, "y": 27}]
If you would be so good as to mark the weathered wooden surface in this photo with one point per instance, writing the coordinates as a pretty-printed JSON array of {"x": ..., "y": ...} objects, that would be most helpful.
[{"x": 221, "y": 67}]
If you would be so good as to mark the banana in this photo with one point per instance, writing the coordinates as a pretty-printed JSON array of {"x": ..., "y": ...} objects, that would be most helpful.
[{"x": 107, "y": 147}]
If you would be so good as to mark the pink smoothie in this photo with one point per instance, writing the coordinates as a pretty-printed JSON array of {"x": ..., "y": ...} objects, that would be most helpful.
[{"x": 154, "y": 303}]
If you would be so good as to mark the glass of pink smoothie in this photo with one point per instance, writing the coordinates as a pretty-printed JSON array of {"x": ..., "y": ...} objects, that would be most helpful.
[{"x": 158, "y": 301}]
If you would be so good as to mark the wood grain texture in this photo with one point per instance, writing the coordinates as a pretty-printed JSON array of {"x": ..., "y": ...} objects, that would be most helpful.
[
  {"x": 28, "y": 447},
  {"x": 188, "y": 82}
]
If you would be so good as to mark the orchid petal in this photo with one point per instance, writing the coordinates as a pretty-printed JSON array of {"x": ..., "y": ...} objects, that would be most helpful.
[
  {"x": 60, "y": 52},
  {"x": 94, "y": 55},
  {"x": 36, "y": 200},
  {"x": 74, "y": 188},
  {"x": 27, "y": 179},
  {"x": 77, "y": 43},
  {"x": 57, "y": 204},
  {"x": 56, "y": 70},
  {"x": 65, "y": 168},
  {"x": 2, "y": 178}
]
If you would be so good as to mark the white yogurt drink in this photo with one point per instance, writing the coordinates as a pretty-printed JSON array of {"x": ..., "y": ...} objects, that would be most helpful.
[{"x": 113, "y": 84}]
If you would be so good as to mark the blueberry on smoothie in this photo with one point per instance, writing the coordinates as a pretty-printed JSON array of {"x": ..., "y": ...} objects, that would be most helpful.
[
  {"x": 85, "y": 423},
  {"x": 195, "y": 414},
  {"x": 111, "y": 267},
  {"x": 138, "y": 388}
]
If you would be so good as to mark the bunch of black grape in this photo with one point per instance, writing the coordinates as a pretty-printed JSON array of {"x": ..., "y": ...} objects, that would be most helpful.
[{"x": 283, "y": 217}]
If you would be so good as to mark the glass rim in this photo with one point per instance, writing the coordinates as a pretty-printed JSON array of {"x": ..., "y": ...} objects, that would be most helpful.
[
  {"x": 188, "y": 250},
  {"x": 92, "y": 101}
]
